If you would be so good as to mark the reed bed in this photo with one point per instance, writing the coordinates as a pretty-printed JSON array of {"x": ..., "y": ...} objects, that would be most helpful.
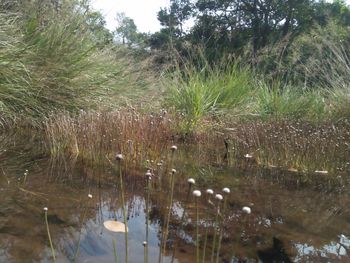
[
  {"x": 94, "y": 137},
  {"x": 293, "y": 145}
]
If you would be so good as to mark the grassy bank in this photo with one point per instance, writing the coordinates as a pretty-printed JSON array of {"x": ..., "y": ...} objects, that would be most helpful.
[{"x": 53, "y": 59}]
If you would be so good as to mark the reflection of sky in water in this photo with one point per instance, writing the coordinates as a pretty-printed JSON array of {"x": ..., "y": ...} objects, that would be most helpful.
[
  {"x": 335, "y": 248},
  {"x": 97, "y": 242}
]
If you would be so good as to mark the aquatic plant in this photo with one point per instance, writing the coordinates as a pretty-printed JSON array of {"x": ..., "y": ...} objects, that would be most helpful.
[
  {"x": 91, "y": 136},
  {"x": 173, "y": 148},
  {"x": 168, "y": 214},
  {"x": 197, "y": 194},
  {"x": 49, "y": 235},
  {"x": 209, "y": 192},
  {"x": 219, "y": 198},
  {"x": 226, "y": 192},
  {"x": 145, "y": 256},
  {"x": 148, "y": 176},
  {"x": 119, "y": 158},
  {"x": 246, "y": 209}
]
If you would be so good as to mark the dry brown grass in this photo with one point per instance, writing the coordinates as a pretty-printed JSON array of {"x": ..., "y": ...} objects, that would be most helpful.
[
  {"x": 93, "y": 137},
  {"x": 294, "y": 145}
]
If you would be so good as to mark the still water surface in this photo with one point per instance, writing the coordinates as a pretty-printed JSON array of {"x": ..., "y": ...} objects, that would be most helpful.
[{"x": 294, "y": 218}]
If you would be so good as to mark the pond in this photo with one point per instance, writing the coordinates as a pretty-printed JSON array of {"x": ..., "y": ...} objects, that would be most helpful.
[{"x": 294, "y": 217}]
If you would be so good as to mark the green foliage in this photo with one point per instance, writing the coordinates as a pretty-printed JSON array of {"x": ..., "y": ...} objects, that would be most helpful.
[
  {"x": 281, "y": 102},
  {"x": 127, "y": 31},
  {"x": 209, "y": 90},
  {"x": 57, "y": 60}
]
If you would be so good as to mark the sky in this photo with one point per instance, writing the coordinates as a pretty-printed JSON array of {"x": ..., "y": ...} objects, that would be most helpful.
[{"x": 143, "y": 12}]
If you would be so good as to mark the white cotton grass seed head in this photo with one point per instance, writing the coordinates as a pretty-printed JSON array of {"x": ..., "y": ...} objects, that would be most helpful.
[
  {"x": 148, "y": 174},
  {"x": 90, "y": 196},
  {"x": 173, "y": 171},
  {"x": 197, "y": 193},
  {"x": 191, "y": 181},
  {"x": 173, "y": 148},
  {"x": 246, "y": 209},
  {"x": 119, "y": 157},
  {"x": 226, "y": 190},
  {"x": 218, "y": 197},
  {"x": 144, "y": 243},
  {"x": 209, "y": 191},
  {"x": 45, "y": 209}
]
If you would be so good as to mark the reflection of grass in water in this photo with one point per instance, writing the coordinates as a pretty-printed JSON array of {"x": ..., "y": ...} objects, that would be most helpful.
[{"x": 76, "y": 255}]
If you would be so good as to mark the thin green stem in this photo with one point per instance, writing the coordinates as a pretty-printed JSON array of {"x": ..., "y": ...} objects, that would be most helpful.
[
  {"x": 215, "y": 233},
  {"x": 197, "y": 232},
  {"x": 206, "y": 234},
  {"x": 169, "y": 211},
  {"x": 221, "y": 229},
  {"x": 147, "y": 218},
  {"x": 115, "y": 250},
  {"x": 124, "y": 211},
  {"x": 167, "y": 219},
  {"x": 50, "y": 240}
]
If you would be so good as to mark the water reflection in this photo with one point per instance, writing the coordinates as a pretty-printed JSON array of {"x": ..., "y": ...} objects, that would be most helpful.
[
  {"x": 335, "y": 249},
  {"x": 292, "y": 220}
]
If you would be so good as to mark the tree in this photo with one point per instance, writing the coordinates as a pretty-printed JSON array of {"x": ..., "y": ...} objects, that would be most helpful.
[
  {"x": 127, "y": 29},
  {"x": 96, "y": 25}
]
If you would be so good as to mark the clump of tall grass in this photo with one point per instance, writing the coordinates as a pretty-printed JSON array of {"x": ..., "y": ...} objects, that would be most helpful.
[
  {"x": 279, "y": 101},
  {"x": 51, "y": 60},
  {"x": 199, "y": 92}
]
